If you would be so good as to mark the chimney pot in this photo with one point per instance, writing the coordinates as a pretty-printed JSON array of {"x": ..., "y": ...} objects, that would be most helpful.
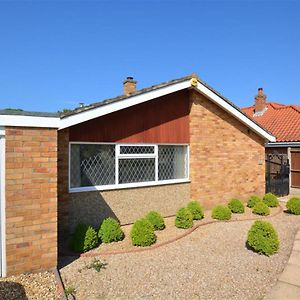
[
  {"x": 129, "y": 86},
  {"x": 260, "y": 101}
]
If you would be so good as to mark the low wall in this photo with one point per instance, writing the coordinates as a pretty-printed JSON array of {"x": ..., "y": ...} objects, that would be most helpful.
[{"x": 127, "y": 205}]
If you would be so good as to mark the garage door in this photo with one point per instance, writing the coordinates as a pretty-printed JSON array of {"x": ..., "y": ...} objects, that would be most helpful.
[{"x": 295, "y": 169}]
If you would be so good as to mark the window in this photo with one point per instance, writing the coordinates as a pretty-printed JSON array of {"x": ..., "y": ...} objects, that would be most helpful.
[{"x": 106, "y": 166}]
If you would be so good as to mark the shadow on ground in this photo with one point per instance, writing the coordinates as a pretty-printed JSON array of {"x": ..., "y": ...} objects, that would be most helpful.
[{"x": 12, "y": 291}]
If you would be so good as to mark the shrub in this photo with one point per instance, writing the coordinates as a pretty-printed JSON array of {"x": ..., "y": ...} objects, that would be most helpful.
[
  {"x": 253, "y": 200},
  {"x": 263, "y": 238},
  {"x": 221, "y": 212},
  {"x": 236, "y": 206},
  {"x": 156, "y": 220},
  {"x": 196, "y": 210},
  {"x": 110, "y": 231},
  {"x": 142, "y": 233},
  {"x": 184, "y": 218},
  {"x": 84, "y": 239},
  {"x": 270, "y": 200},
  {"x": 293, "y": 206},
  {"x": 261, "y": 208}
]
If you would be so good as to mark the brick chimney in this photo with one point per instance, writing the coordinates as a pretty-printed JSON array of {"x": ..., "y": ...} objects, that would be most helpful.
[
  {"x": 260, "y": 102},
  {"x": 129, "y": 86}
]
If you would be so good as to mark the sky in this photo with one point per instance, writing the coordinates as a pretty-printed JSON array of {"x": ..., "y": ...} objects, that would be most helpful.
[{"x": 56, "y": 54}]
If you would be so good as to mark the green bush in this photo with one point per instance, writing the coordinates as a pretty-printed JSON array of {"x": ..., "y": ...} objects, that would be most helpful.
[
  {"x": 184, "y": 218},
  {"x": 110, "y": 231},
  {"x": 156, "y": 220},
  {"x": 195, "y": 208},
  {"x": 261, "y": 208},
  {"x": 270, "y": 200},
  {"x": 293, "y": 206},
  {"x": 221, "y": 212},
  {"x": 142, "y": 233},
  {"x": 236, "y": 206},
  {"x": 84, "y": 239},
  {"x": 253, "y": 200},
  {"x": 263, "y": 238}
]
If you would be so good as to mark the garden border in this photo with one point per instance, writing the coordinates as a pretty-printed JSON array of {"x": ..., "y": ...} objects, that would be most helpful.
[{"x": 155, "y": 246}]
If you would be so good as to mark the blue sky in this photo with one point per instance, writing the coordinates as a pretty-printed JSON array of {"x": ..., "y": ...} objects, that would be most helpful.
[{"x": 56, "y": 54}]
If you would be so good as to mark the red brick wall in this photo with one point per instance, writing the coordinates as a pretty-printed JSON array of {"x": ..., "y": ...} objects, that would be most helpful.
[
  {"x": 226, "y": 158},
  {"x": 31, "y": 199}
]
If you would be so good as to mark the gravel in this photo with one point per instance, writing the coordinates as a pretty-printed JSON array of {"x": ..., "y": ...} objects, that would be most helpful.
[
  {"x": 211, "y": 263},
  {"x": 37, "y": 286}
]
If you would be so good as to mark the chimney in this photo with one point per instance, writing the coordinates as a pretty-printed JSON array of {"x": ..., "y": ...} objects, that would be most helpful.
[
  {"x": 129, "y": 86},
  {"x": 260, "y": 102}
]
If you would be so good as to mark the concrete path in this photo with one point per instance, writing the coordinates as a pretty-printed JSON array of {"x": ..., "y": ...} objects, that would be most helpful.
[{"x": 288, "y": 284}]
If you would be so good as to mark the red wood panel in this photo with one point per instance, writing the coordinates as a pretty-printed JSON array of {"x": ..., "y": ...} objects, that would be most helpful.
[
  {"x": 295, "y": 168},
  {"x": 163, "y": 120}
]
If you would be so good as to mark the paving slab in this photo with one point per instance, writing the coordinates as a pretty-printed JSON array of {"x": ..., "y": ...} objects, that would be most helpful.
[
  {"x": 297, "y": 236},
  {"x": 291, "y": 274},
  {"x": 295, "y": 258},
  {"x": 284, "y": 291},
  {"x": 296, "y": 246}
]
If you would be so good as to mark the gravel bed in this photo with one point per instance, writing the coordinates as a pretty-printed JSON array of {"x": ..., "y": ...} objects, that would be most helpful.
[
  {"x": 211, "y": 263},
  {"x": 37, "y": 286}
]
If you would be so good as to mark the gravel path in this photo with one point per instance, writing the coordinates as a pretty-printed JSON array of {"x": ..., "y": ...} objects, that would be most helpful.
[
  {"x": 38, "y": 286},
  {"x": 211, "y": 263}
]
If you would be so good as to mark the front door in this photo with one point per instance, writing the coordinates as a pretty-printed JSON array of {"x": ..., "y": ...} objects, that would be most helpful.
[{"x": 295, "y": 169}]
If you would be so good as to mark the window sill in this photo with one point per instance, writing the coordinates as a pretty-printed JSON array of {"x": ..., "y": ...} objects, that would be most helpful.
[{"x": 126, "y": 186}]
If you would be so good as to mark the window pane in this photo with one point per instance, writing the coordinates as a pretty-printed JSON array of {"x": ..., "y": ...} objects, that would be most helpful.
[
  {"x": 172, "y": 162},
  {"x": 136, "y": 149},
  {"x": 92, "y": 164},
  {"x": 136, "y": 170}
]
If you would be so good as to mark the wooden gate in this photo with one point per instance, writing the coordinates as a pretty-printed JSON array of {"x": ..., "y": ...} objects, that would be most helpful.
[{"x": 295, "y": 169}]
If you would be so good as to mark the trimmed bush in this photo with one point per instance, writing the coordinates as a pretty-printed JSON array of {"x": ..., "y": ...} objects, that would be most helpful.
[
  {"x": 293, "y": 206},
  {"x": 142, "y": 233},
  {"x": 195, "y": 208},
  {"x": 184, "y": 218},
  {"x": 221, "y": 212},
  {"x": 156, "y": 220},
  {"x": 253, "y": 200},
  {"x": 84, "y": 238},
  {"x": 110, "y": 231},
  {"x": 270, "y": 200},
  {"x": 263, "y": 238},
  {"x": 236, "y": 206},
  {"x": 261, "y": 208}
]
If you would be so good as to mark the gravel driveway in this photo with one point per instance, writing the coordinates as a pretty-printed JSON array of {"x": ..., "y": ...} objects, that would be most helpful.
[{"x": 211, "y": 263}]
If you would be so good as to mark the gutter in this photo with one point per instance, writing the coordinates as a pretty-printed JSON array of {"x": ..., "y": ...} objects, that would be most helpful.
[{"x": 283, "y": 144}]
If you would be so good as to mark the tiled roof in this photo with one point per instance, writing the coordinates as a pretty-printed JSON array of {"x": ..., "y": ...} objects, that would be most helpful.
[
  {"x": 281, "y": 120},
  {"x": 27, "y": 113}
]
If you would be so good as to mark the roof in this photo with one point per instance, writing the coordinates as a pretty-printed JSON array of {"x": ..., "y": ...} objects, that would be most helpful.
[
  {"x": 98, "y": 109},
  {"x": 282, "y": 120},
  {"x": 15, "y": 112}
]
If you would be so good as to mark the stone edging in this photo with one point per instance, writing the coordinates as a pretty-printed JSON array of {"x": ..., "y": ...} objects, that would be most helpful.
[
  {"x": 59, "y": 284},
  {"x": 187, "y": 232}
]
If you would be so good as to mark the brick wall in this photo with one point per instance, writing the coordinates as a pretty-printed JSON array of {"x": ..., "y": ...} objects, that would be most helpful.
[
  {"x": 31, "y": 199},
  {"x": 226, "y": 158}
]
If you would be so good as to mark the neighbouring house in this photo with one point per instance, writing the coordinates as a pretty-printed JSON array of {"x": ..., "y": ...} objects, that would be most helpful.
[
  {"x": 149, "y": 149},
  {"x": 283, "y": 121}
]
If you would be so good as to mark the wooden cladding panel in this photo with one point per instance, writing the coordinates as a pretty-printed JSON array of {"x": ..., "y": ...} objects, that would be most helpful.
[{"x": 163, "y": 120}]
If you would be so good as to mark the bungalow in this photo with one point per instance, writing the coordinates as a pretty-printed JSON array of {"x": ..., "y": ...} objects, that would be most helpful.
[
  {"x": 151, "y": 149},
  {"x": 283, "y": 121}
]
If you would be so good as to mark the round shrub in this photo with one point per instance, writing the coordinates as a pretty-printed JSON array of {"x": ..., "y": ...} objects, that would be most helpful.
[
  {"x": 253, "y": 200},
  {"x": 236, "y": 206},
  {"x": 184, "y": 218},
  {"x": 142, "y": 233},
  {"x": 263, "y": 238},
  {"x": 84, "y": 238},
  {"x": 270, "y": 200},
  {"x": 221, "y": 212},
  {"x": 156, "y": 220},
  {"x": 293, "y": 206},
  {"x": 195, "y": 208},
  {"x": 261, "y": 208},
  {"x": 110, "y": 231}
]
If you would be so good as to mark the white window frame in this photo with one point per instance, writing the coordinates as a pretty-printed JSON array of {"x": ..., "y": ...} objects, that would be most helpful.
[{"x": 119, "y": 156}]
